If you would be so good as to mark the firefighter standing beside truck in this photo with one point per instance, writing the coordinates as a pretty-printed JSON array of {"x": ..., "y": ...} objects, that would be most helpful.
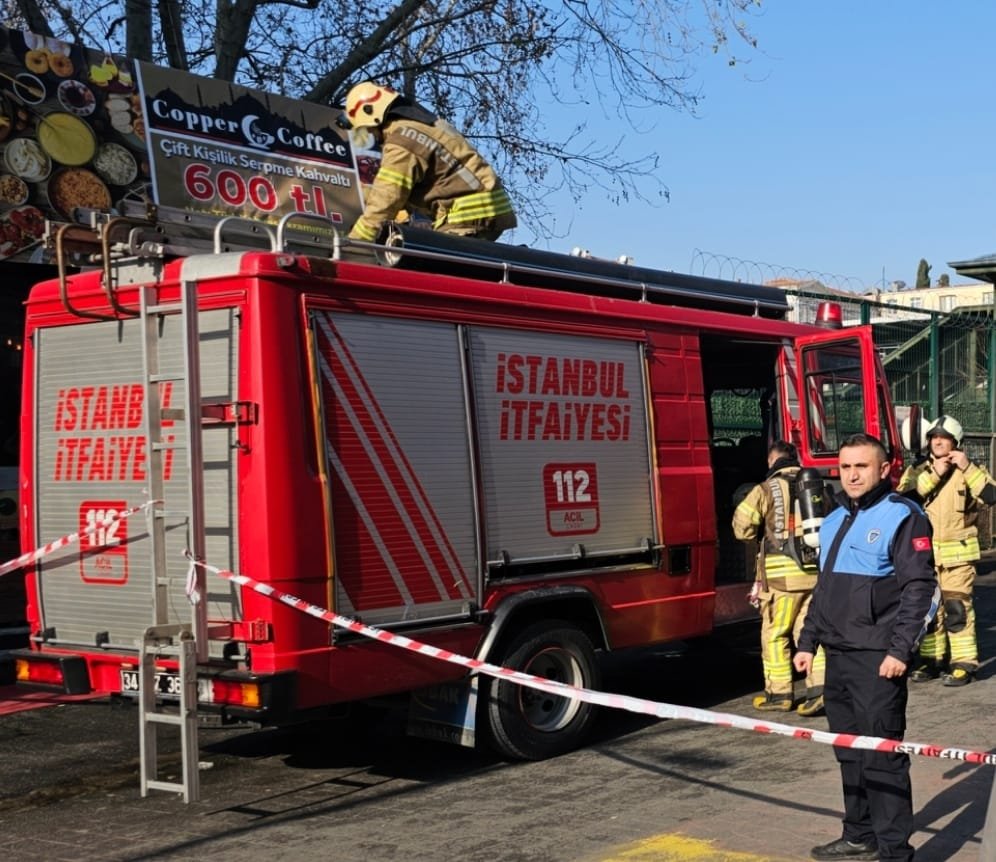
[
  {"x": 786, "y": 577},
  {"x": 426, "y": 166},
  {"x": 952, "y": 490}
]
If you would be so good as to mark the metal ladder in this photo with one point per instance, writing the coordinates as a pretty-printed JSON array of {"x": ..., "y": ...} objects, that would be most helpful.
[{"x": 185, "y": 642}]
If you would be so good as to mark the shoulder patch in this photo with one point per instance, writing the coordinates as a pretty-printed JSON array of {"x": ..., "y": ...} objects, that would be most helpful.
[{"x": 921, "y": 543}]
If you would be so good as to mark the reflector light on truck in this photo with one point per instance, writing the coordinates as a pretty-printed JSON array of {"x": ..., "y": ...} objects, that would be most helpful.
[
  {"x": 66, "y": 673},
  {"x": 236, "y": 693}
]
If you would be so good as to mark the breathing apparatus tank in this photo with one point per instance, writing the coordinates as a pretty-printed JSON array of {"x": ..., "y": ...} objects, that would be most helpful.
[{"x": 809, "y": 491}]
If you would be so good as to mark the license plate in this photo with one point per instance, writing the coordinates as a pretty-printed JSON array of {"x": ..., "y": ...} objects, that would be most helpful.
[{"x": 168, "y": 685}]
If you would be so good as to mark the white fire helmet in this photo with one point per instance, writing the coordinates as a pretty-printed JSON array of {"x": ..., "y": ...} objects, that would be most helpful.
[
  {"x": 949, "y": 427},
  {"x": 367, "y": 103}
]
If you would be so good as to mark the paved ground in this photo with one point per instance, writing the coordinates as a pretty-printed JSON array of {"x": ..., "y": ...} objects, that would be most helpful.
[{"x": 643, "y": 790}]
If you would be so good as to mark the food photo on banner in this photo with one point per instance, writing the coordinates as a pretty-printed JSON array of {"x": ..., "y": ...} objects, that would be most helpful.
[
  {"x": 84, "y": 130},
  {"x": 66, "y": 143}
]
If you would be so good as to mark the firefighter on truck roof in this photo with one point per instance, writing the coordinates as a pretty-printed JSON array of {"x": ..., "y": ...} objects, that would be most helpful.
[
  {"x": 786, "y": 577},
  {"x": 426, "y": 166},
  {"x": 952, "y": 490}
]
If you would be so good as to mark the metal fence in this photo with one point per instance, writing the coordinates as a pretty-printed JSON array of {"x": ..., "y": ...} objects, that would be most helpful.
[{"x": 942, "y": 361}]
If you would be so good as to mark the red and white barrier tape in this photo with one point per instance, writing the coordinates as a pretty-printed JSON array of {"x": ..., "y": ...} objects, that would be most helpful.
[
  {"x": 58, "y": 544},
  {"x": 616, "y": 701}
]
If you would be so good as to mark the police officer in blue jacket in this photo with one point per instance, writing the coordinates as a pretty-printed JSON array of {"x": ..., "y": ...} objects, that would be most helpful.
[{"x": 875, "y": 596}]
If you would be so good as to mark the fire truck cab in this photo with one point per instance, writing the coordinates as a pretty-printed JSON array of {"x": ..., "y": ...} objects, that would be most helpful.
[{"x": 516, "y": 455}]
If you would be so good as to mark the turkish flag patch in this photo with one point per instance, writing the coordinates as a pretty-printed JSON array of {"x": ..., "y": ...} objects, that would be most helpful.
[{"x": 921, "y": 543}]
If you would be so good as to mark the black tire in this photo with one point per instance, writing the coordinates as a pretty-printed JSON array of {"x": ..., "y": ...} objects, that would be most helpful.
[{"x": 528, "y": 724}]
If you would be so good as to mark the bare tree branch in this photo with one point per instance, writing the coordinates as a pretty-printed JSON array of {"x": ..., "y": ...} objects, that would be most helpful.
[
  {"x": 510, "y": 73},
  {"x": 363, "y": 52}
]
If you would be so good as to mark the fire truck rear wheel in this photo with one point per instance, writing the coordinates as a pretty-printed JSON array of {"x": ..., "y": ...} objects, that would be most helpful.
[{"x": 528, "y": 724}]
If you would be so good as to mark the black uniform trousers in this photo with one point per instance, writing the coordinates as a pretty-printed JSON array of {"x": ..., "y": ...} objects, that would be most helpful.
[{"x": 878, "y": 797}]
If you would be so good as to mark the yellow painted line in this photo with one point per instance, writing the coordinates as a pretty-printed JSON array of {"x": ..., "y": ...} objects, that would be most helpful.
[{"x": 680, "y": 848}]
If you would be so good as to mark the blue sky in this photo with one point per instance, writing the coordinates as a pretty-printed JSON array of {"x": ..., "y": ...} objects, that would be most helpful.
[{"x": 859, "y": 138}]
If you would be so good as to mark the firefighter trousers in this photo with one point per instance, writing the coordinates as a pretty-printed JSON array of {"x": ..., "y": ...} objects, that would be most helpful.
[
  {"x": 782, "y": 616},
  {"x": 953, "y": 634},
  {"x": 878, "y": 798}
]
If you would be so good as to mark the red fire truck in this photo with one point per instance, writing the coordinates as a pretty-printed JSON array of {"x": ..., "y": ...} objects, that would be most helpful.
[{"x": 511, "y": 454}]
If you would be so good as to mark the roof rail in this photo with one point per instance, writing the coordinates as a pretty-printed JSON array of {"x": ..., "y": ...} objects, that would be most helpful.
[
  {"x": 429, "y": 250},
  {"x": 138, "y": 229},
  {"x": 163, "y": 232},
  {"x": 187, "y": 233}
]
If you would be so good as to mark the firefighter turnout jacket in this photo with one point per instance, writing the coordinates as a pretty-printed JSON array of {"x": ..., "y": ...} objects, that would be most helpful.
[
  {"x": 952, "y": 502},
  {"x": 768, "y": 513},
  {"x": 430, "y": 168}
]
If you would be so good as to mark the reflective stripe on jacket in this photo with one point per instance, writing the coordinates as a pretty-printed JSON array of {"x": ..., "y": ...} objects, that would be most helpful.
[
  {"x": 952, "y": 502},
  {"x": 433, "y": 170}
]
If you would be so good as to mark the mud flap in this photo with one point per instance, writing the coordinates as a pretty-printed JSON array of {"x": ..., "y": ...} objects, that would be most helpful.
[{"x": 446, "y": 713}]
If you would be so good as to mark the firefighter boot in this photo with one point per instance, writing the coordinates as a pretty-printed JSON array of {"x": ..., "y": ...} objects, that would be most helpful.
[
  {"x": 813, "y": 704},
  {"x": 771, "y": 702},
  {"x": 927, "y": 669},
  {"x": 960, "y": 675}
]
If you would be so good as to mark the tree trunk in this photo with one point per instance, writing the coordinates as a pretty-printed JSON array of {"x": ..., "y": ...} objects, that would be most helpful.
[
  {"x": 138, "y": 37},
  {"x": 171, "y": 21},
  {"x": 235, "y": 18}
]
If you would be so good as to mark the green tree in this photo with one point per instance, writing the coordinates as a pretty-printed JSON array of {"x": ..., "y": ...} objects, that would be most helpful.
[
  {"x": 923, "y": 274},
  {"x": 944, "y": 280},
  {"x": 492, "y": 67}
]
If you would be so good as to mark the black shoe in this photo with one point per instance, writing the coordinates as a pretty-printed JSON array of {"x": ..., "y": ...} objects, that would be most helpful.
[{"x": 844, "y": 849}]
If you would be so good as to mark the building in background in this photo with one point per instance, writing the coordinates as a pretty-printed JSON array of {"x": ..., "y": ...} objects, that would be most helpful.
[{"x": 942, "y": 298}]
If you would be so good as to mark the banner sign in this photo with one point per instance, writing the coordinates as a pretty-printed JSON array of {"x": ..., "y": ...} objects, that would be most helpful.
[
  {"x": 221, "y": 149},
  {"x": 82, "y": 129}
]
